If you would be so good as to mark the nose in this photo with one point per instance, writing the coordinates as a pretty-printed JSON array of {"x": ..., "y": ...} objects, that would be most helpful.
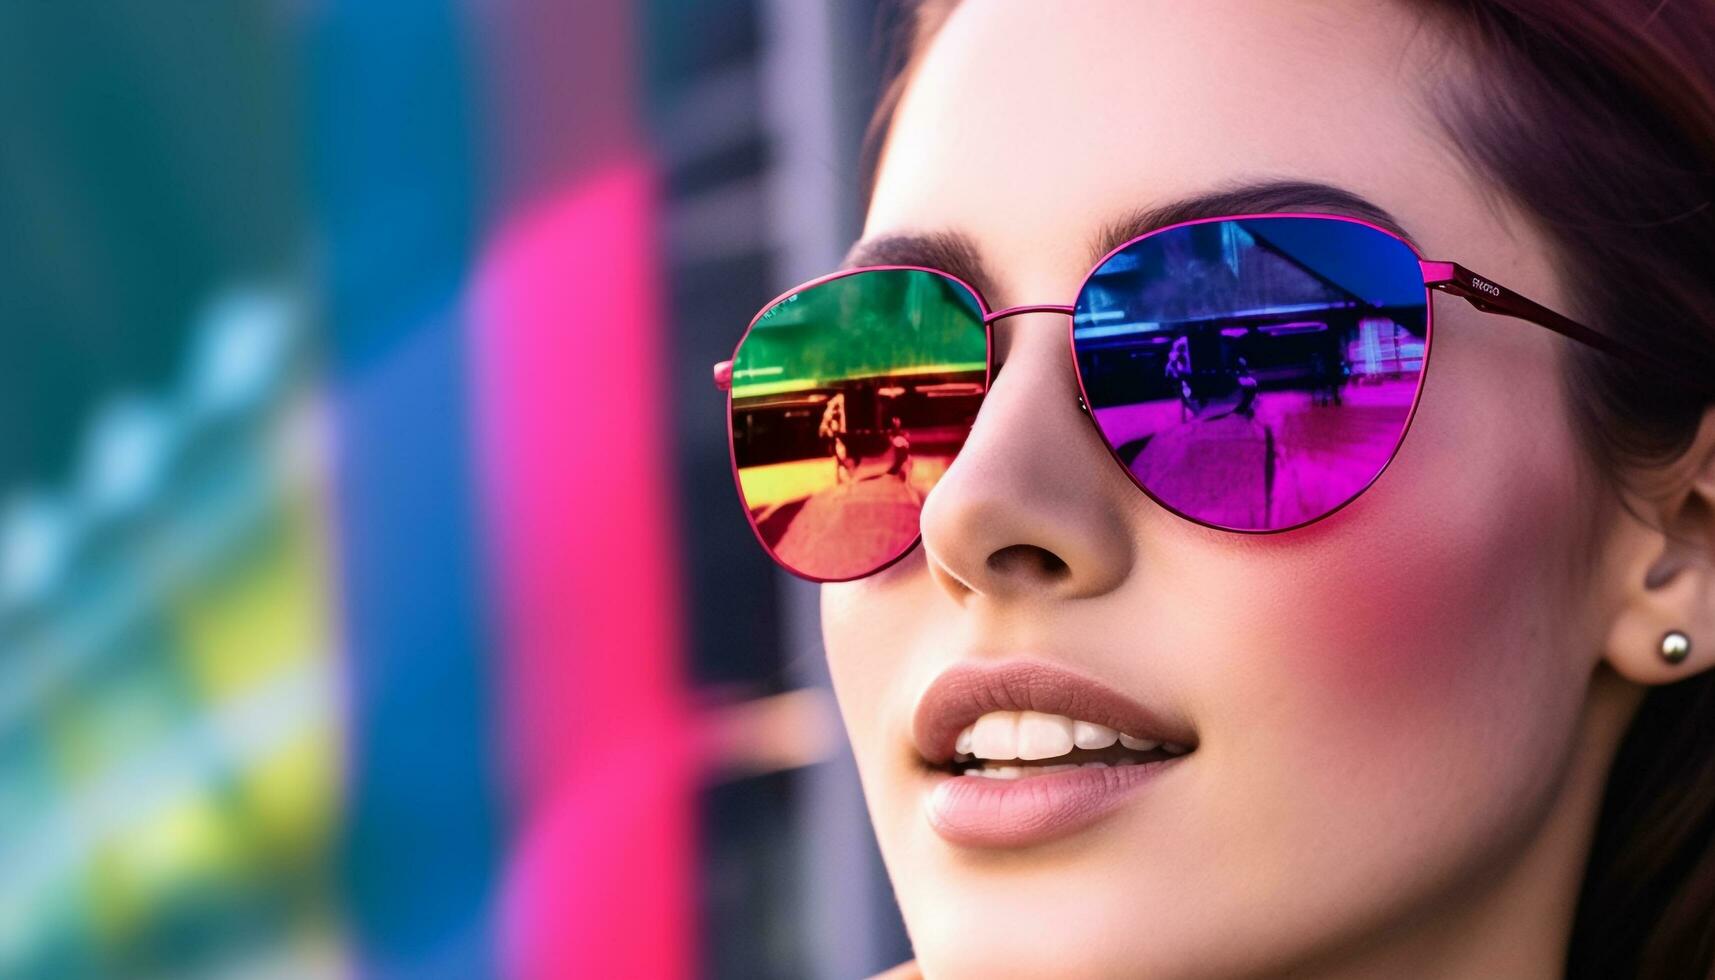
[{"x": 1033, "y": 505}]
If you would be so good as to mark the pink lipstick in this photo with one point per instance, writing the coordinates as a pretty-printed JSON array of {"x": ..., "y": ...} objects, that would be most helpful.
[{"x": 1023, "y": 752}]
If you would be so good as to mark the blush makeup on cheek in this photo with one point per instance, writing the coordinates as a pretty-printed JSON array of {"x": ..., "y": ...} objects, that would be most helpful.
[{"x": 1428, "y": 627}]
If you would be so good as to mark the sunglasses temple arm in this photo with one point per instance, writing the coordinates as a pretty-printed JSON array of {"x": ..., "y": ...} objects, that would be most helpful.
[
  {"x": 1491, "y": 297},
  {"x": 723, "y": 376}
]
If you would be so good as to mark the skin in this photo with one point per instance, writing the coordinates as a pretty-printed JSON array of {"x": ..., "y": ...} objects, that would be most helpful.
[{"x": 1405, "y": 712}]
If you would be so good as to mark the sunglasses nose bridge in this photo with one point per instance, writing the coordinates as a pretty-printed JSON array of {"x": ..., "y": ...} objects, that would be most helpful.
[{"x": 1037, "y": 308}]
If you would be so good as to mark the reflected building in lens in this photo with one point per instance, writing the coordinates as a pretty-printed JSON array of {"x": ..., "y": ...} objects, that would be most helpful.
[{"x": 1254, "y": 373}]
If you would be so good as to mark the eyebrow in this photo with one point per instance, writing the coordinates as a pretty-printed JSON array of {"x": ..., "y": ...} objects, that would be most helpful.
[{"x": 955, "y": 252}]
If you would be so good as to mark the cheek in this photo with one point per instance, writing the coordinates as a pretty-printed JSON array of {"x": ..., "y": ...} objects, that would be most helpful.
[
  {"x": 1444, "y": 590},
  {"x": 869, "y": 628},
  {"x": 874, "y": 632},
  {"x": 1439, "y": 626},
  {"x": 1414, "y": 672},
  {"x": 858, "y": 680}
]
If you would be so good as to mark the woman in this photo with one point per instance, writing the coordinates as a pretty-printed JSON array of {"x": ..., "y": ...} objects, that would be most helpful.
[{"x": 1457, "y": 722}]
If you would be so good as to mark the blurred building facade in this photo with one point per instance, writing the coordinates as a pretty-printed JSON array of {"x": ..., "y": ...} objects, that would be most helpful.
[{"x": 374, "y": 599}]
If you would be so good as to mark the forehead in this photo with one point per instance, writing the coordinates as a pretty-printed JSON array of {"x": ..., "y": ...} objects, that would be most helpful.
[{"x": 1030, "y": 123}]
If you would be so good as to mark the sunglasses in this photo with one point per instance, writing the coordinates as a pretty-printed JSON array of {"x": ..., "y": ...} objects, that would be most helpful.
[{"x": 1252, "y": 373}]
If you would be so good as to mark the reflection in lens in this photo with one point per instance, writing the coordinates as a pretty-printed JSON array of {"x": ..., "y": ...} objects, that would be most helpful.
[
  {"x": 849, "y": 400},
  {"x": 1254, "y": 374}
]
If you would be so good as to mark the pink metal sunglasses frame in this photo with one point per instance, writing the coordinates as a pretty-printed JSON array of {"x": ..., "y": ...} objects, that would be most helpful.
[{"x": 1450, "y": 277}]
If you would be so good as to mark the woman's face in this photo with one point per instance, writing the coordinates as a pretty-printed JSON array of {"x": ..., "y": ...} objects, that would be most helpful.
[{"x": 1388, "y": 708}]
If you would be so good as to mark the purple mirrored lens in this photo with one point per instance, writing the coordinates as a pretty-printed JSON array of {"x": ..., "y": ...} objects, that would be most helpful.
[{"x": 1254, "y": 374}]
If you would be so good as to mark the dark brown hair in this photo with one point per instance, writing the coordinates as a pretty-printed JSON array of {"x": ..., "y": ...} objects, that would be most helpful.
[{"x": 1595, "y": 120}]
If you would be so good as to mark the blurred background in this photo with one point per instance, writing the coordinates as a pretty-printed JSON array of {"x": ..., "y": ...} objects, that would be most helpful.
[{"x": 374, "y": 596}]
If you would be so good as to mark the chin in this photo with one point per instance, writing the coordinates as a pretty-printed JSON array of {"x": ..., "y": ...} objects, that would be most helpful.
[{"x": 1057, "y": 925}]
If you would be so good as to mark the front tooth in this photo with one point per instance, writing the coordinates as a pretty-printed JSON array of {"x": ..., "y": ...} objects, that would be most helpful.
[
  {"x": 1003, "y": 772},
  {"x": 963, "y": 745},
  {"x": 1089, "y": 735},
  {"x": 1042, "y": 736},
  {"x": 1140, "y": 744},
  {"x": 995, "y": 736}
]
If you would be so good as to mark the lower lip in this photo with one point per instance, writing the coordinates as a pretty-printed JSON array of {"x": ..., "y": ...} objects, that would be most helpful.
[{"x": 980, "y": 811}]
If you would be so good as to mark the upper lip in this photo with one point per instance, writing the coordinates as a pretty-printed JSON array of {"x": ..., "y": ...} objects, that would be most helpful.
[{"x": 967, "y": 691}]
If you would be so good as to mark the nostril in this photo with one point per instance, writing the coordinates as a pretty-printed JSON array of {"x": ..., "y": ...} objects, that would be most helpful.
[{"x": 1027, "y": 558}]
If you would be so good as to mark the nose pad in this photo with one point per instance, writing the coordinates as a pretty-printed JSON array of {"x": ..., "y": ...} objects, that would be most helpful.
[{"x": 1032, "y": 504}]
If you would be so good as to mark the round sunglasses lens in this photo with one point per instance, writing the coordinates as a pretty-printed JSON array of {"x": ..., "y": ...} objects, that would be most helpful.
[
  {"x": 1254, "y": 374},
  {"x": 850, "y": 398}
]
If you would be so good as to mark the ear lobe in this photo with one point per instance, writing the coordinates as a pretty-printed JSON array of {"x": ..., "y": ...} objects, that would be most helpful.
[
  {"x": 1672, "y": 586},
  {"x": 1681, "y": 603}
]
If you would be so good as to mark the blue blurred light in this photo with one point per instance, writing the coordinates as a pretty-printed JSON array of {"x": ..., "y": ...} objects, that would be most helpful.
[
  {"x": 35, "y": 537},
  {"x": 240, "y": 349},
  {"x": 125, "y": 456}
]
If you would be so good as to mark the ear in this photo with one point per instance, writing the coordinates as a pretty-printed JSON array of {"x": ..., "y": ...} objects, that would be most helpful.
[{"x": 1669, "y": 569}]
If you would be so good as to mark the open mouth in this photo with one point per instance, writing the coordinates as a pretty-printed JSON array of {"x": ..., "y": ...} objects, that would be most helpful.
[
  {"x": 1021, "y": 752},
  {"x": 1025, "y": 744}
]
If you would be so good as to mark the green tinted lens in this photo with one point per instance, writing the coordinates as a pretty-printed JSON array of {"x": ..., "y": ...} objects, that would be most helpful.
[{"x": 850, "y": 397}]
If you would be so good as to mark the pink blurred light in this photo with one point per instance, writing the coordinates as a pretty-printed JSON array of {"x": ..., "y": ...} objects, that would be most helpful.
[{"x": 567, "y": 353}]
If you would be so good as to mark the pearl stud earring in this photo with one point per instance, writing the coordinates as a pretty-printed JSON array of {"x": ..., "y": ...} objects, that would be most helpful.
[{"x": 1675, "y": 646}]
